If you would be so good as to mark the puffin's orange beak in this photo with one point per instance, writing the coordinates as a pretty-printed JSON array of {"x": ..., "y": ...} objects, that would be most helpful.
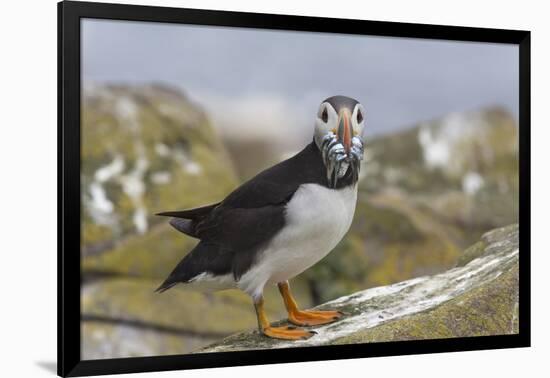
[{"x": 344, "y": 129}]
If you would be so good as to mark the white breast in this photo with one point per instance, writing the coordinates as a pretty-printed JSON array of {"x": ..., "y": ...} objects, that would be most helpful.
[{"x": 316, "y": 220}]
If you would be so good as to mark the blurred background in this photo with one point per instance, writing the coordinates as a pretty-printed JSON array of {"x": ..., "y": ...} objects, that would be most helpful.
[{"x": 177, "y": 116}]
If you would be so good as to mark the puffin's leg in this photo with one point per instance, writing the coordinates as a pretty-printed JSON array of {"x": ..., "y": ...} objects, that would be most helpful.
[
  {"x": 305, "y": 317},
  {"x": 285, "y": 333}
]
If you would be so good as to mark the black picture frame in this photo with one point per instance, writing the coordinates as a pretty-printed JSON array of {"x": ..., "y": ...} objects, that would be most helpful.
[{"x": 69, "y": 204}]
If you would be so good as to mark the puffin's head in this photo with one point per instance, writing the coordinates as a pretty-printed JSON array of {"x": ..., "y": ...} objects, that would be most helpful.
[{"x": 339, "y": 136}]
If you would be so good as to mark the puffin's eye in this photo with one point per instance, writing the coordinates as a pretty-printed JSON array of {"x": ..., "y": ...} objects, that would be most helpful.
[
  {"x": 324, "y": 115},
  {"x": 359, "y": 116}
]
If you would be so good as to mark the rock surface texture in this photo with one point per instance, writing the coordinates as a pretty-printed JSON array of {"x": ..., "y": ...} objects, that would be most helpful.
[{"x": 477, "y": 297}]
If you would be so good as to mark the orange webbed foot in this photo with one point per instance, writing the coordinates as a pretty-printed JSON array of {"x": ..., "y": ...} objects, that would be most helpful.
[
  {"x": 312, "y": 318},
  {"x": 287, "y": 333}
]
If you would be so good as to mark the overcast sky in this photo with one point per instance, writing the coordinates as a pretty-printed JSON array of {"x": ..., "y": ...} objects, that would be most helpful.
[{"x": 252, "y": 78}]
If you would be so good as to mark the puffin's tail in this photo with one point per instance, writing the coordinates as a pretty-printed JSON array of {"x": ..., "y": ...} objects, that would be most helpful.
[
  {"x": 186, "y": 220},
  {"x": 204, "y": 257}
]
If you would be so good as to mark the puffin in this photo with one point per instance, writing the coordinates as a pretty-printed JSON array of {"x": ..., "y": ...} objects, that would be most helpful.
[{"x": 279, "y": 223}]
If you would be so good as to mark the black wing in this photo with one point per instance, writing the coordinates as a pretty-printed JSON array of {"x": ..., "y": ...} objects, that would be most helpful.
[
  {"x": 277, "y": 184},
  {"x": 272, "y": 187}
]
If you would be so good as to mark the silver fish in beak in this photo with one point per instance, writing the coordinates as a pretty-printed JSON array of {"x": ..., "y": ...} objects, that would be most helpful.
[{"x": 342, "y": 153}]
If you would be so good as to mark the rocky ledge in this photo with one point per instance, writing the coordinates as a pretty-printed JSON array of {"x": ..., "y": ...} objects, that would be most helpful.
[{"x": 477, "y": 297}]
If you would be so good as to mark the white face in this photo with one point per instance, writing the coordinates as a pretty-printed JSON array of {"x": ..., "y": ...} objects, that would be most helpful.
[
  {"x": 328, "y": 120},
  {"x": 339, "y": 137}
]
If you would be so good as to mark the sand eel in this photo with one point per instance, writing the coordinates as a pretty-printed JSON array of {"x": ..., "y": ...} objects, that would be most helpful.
[{"x": 281, "y": 222}]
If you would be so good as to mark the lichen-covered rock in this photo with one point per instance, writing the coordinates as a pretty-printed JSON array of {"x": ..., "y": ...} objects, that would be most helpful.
[
  {"x": 463, "y": 167},
  {"x": 491, "y": 309},
  {"x": 145, "y": 149},
  {"x": 489, "y": 238},
  {"x": 465, "y": 151},
  {"x": 478, "y": 298},
  {"x": 152, "y": 255}
]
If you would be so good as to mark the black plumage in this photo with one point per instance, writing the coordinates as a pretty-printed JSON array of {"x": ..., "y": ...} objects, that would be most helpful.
[
  {"x": 233, "y": 231},
  {"x": 186, "y": 221},
  {"x": 339, "y": 102}
]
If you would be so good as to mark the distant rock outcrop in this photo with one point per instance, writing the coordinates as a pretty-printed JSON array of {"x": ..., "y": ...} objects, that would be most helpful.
[
  {"x": 145, "y": 149},
  {"x": 479, "y": 297}
]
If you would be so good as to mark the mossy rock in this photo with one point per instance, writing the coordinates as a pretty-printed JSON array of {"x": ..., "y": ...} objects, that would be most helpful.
[
  {"x": 511, "y": 233},
  {"x": 471, "y": 253},
  {"x": 152, "y": 255},
  {"x": 145, "y": 149},
  {"x": 479, "y": 298},
  {"x": 436, "y": 155},
  {"x": 492, "y": 309}
]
